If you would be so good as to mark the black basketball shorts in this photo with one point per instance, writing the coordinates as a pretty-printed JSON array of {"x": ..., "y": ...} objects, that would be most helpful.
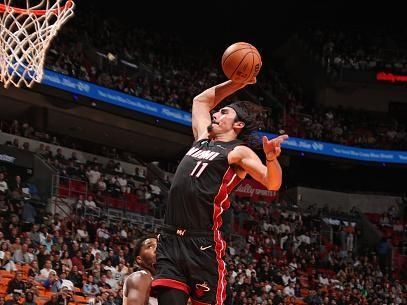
[{"x": 193, "y": 263}]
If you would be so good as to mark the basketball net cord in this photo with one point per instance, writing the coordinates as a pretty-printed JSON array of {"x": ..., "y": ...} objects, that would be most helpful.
[{"x": 25, "y": 35}]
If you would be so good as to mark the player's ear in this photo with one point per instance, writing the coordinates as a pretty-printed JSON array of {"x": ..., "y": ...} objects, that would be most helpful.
[
  {"x": 239, "y": 124},
  {"x": 138, "y": 259}
]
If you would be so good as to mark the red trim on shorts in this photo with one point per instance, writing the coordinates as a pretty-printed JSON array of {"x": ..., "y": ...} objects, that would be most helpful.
[
  {"x": 195, "y": 302},
  {"x": 222, "y": 203},
  {"x": 172, "y": 284}
]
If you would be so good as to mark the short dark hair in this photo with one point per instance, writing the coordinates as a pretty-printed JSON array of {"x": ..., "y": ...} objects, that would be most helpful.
[
  {"x": 140, "y": 243},
  {"x": 250, "y": 114}
]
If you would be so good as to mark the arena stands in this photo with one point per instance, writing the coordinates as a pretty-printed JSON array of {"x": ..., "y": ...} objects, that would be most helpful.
[
  {"x": 169, "y": 73},
  {"x": 360, "y": 48},
  {"x": 103, "y": 199}
]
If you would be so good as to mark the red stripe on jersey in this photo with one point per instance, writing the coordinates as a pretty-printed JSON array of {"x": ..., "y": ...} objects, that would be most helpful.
[
  {"x": 236, "y": 180},
  {"x": 222, "y": 203}
]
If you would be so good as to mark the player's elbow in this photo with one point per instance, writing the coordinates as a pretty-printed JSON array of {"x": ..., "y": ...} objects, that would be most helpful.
[
  {"x": 273, "y": 185},
  {"x": 198, "y": 99}
]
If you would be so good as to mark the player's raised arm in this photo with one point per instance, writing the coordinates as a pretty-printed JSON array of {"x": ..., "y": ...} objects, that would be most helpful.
[
  {"x": 207, "y": 100},
  {"x": 136, "y": 289},
  {"x": 270, "y": 175}
]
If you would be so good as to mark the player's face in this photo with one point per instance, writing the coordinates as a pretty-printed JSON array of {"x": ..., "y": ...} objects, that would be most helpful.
[
  {"x": 222, "y": 121},
  {"x": 148, "y": 252}
]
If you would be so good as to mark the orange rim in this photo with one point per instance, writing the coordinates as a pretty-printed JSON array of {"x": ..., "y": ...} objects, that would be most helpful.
[{"x": 7, "y": 8}]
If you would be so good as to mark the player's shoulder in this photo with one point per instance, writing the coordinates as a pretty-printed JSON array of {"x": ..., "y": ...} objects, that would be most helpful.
[
  {"x": 139, "y": 273},
  {"x": 242, "y": 149},
  {"x": 137, "y": 277},
  {"x": 240, "y": 152}
]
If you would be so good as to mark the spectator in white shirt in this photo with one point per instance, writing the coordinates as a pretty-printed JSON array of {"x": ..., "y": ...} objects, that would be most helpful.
[
  {"x": 155, "y": 189},
  {"x": 289, "y": 290},
  {"x": 286, "y": 278},
  {"x": 93, "y": 176},
  {"x": 121, "y": 270},
  {"x": 3, "y": 184},
  {"x": 3, "y": 193},
  {"x": 90, "y": 203},
  {"x": 82, "y": 233},
  {"x": 118, "y": 168},
  {"x": 111, "y": 279},
  {"x": 101, "y": 185},
  {"x": 102, "y": 232},
  {"x": 95, "y": 249},
  {"x": 323, "y": 280},
  {"x": 284, "y": 228},
  {"x": 44, "y": 272},
  {"x": 7, "y": 262},
  {"x": 123, "y": 184}
]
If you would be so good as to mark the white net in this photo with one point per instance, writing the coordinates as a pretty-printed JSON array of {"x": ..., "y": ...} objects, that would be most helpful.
[{"x": 26, "y": 30}]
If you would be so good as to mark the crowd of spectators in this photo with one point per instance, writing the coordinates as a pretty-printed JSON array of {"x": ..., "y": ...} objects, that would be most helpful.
[
  {"x": 96, "y": 185},
  {"x": 27, "y": 130},
  {"x": 162, "y": 68},
  {"x": 393, "y": 227},
  {"x": 288, "y": 255},
  {"x": 286, "y": 259},
  {"x": 364, "y": 48}
]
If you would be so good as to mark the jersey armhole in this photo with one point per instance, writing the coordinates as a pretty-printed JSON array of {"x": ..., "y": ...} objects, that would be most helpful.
[{"x": 199, "y": 141}]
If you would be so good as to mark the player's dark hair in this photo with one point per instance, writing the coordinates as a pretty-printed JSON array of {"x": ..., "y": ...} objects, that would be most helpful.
[
  {"x": 250, "y": 114},
  {"x": 140, "y": 243}
]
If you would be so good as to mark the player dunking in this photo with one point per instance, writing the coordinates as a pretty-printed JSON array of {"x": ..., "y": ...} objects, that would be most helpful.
[
  {"x": 191, "y": 249},
  {"x": 136, "y": 288}
]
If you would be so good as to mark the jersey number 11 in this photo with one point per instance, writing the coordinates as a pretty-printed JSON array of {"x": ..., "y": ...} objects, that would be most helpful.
[{"x": 199, "y": 165}]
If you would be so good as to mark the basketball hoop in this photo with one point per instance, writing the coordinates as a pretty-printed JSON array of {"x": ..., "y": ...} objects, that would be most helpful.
[{"x": 25, "y": 35}]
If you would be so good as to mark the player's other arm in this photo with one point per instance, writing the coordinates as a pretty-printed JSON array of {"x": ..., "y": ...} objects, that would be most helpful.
[
  {"x": 204, "y": 102},
  {"x": 270, "y": 175},
  {"x": 136, "y": 289}
]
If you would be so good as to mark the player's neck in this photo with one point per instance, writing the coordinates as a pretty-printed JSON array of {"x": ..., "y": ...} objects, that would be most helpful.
[
  {"x": 149, "y": 270},
  {"x": 225, "y": 137}
]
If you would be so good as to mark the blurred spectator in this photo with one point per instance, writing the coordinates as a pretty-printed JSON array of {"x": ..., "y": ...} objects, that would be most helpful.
[
  {"x": 16, "y": 298},
  {"x": 29, "y": 299},
  {"x": 28, "y": 215},
  {"x": 16, "y": 283},
  {"x": 44, "y": 272},
  {"x": 90, "y": 203},
  {"x": 75, "y": 276},
  {"x": 53, "y": 300},
  {"x": 384, "y": 254},
  {"x": 3, "y": 193},
  {"x": 89, "y": 287},
  {"x": 7, "y": 263}
]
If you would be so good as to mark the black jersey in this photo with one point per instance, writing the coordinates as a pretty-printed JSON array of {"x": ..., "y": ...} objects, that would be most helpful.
[{"x": 201, "y": 184}]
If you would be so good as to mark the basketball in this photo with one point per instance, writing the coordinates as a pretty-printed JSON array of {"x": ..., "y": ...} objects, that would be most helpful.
[{"x": 241, "y": 62}]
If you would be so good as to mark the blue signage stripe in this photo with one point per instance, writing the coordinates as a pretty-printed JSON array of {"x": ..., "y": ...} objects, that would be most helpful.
[
  {"x": 116, "y": 98},
  {"x": 172, "y": 114},
  {"x": 343, "y": 151}
]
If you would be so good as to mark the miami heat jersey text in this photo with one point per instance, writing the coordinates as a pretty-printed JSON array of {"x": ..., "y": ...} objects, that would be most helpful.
[{"x": 201, "y": 185}]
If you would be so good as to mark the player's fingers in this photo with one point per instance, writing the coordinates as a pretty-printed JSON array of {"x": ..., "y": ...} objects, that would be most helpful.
[
  {"x": 281, "y": 139},
  {"x": 265, "y": 140}
]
